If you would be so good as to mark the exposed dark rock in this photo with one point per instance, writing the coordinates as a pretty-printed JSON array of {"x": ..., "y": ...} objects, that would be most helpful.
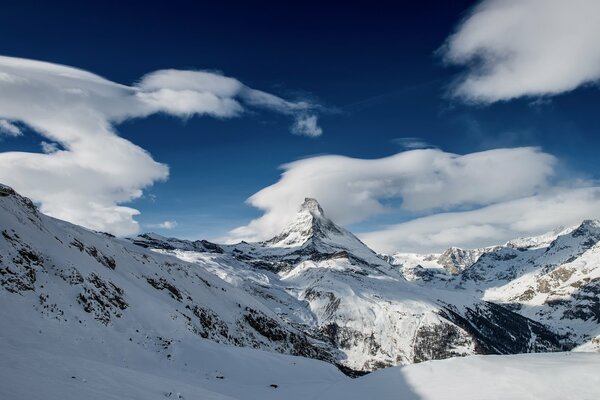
[
  {"x": 102, "y": 299},
  {"x": 162, "y": 283},
  {"x": 108, "y": 262},
  {"x": 264, "y": 325},
  {"x": 437, "y": 342},
  {"x": 211, "y": 325},
  {"x": 497, "y": 330}
]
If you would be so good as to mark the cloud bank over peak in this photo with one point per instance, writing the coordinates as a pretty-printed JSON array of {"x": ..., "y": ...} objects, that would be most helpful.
[
  {"x": 425, "y": 181},
  {"x": 515, "y": 48},
  {"x": 86, "y": 170}
]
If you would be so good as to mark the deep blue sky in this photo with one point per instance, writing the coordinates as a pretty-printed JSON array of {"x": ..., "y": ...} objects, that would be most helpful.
[{"x": 371, "y": 63}]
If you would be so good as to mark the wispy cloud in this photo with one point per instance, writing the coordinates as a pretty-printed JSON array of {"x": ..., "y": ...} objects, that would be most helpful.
[
  {"x": 412, "y": 143},
  {"x": 87, "y": 170},
  {"x": 536, "y": 48},
  {"x": 9, "y": 129},
  {"x": 307, "y": 125},
  {"x": 164, "y": 225}
]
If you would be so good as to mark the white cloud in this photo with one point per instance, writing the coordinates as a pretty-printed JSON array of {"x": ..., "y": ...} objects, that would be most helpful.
[
  {"x": 49, "y": 147},
  {"x": 307, "y": 125},
  {"x": 491, "y": 225},
  {"x": 352, "y": 190},
  {"x": 412, "y": 143},
  {"x": 514, "y": 48},
  {"x": 164, "y": 225},
  {"x": 9, "y": 129},
  {"x": 94, "y": 170}
]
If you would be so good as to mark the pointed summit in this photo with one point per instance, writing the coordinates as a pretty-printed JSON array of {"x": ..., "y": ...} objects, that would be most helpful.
[
  {"x": 312, "y": 205},
  {"x": 311, "y": 232},
  {"x": 310, "y": 222}
]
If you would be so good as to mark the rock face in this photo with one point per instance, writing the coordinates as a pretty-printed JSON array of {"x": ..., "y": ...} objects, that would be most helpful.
[
  {"x": 311, "y": 235},
  {"x": 455, "y": 260},
  {"x": 310, "y": 224}
]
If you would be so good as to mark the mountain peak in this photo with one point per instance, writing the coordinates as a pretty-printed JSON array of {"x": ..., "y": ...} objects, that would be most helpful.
[
  {"x": 590, "y": 223},
  {"x": 8, "y": 191},
  {"x": 311, "y": 230},
  {"x": 310, "y": 221},
  {"x": 588, "y": 228},
  {"x": 16, "y": 199},
  {"x": 312, "y": 205}
]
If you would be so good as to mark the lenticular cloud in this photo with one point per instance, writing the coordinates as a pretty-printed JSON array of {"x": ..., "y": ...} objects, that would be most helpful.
[
  {"x": 514, "y": 48},
  {"x": 86, "y": 170}
]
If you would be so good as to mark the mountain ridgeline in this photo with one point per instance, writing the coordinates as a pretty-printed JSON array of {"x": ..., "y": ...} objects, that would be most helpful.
[{"x": 315, "y": 290}]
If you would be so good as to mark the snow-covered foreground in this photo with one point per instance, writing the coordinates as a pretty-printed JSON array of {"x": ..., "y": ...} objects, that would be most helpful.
[
  {"x": 215, "y": 371},
  {"x": 39, "y": 359},
  {"x": 524, "y": 376}
]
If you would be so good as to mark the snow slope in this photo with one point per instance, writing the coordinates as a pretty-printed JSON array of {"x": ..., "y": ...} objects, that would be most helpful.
[
  {"x": 562, "y": 376},
  {"x": 40, "y": 360},
  {"x": 32, "y": 370}
]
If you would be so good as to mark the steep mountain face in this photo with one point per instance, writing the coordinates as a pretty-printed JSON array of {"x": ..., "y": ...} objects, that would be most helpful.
[
  {"x": 91, "y": 286},
  {"x": 326, "y": 282},
  {"x": 310, "y": 224}
]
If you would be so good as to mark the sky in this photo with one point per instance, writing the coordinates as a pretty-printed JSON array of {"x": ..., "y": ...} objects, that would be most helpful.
[{"x": 417, "y": 125}]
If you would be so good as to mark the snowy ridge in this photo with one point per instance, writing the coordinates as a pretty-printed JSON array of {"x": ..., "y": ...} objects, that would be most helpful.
[
  {"x": 540, "y": 241},
  {"x": 561, "y": 285},
  {"x": 438, "y": 267}
]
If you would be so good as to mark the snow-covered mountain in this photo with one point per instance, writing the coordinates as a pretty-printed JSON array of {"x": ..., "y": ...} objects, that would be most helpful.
[
  {"x": 96, "y": 286},
  {"x": 553, "y": 278},
  {"x": 314, "y": 290},
  {"x": 426, "y": 267},
  {"x": 324, "y": 281}
]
